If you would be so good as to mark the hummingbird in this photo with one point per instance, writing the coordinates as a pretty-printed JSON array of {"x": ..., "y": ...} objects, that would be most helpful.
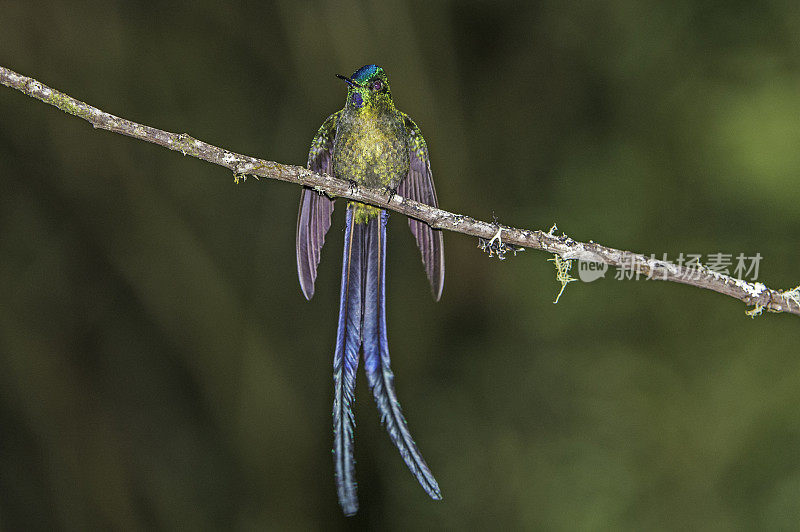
[{"x": 369, "y": 143}]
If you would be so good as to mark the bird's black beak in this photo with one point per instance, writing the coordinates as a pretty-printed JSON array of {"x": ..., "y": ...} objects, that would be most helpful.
[{"x": 347, "y": 80}]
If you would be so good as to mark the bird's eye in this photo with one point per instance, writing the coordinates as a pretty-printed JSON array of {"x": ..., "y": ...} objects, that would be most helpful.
[{"x": 377, "y": 85}]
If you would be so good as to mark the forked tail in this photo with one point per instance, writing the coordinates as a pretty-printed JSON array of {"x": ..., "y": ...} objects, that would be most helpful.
[{"x": 362, "y": 323}]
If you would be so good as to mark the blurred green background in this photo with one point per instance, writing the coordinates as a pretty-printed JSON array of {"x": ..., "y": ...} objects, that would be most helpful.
[{"x": 160, "y": 368}]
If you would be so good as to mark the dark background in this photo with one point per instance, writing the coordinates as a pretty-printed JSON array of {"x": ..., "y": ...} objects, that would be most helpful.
[{"x": 160, "y": 368}]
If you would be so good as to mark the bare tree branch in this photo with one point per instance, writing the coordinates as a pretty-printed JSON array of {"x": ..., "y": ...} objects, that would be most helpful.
[{"x": 762, "y": 297}]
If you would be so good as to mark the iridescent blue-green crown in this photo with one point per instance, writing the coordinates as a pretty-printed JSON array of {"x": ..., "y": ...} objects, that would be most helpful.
[{"x": 365, "y": 72}]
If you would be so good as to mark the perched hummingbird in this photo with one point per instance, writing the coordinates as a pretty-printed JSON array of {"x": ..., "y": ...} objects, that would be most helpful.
[{"x": 369, "y": 142}]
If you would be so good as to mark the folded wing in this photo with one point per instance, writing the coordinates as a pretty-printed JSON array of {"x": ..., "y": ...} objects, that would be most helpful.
[
  {"x": 418, "y": 185},
  {"x": 314, "y": 217}
]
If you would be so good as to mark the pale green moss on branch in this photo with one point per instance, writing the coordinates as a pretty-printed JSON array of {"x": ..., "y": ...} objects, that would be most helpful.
[
  {"x": 186, "y": 145},
  {"x": 68, "y": 105},
  {"x": 562, "y": 273}
]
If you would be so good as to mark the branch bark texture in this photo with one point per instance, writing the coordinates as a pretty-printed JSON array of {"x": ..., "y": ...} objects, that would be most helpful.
[{"x": 756, "y": 294}]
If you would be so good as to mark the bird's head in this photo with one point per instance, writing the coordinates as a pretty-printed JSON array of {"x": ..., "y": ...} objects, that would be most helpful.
[{"x": 368, "y": 89}]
